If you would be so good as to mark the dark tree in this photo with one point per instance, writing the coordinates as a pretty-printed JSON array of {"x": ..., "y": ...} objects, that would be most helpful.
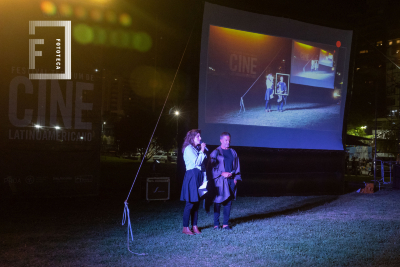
[{"x": 136, "y": 128}]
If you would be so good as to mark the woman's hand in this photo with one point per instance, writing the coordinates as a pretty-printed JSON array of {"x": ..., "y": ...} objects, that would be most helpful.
[
  {"x": 202, "y": 146},
  {"x": 226, "y": 174}
]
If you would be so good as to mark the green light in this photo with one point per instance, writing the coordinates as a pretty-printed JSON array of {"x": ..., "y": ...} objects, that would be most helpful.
[
  {"x": 113, "y": 38},
  {"x": 83, "y": 34},
  {"x": 125, "y": 39},
  {"x": 100, "y": 36},
  {"x": 125, "y": 19},
  {"x": 119, "y": 38},
  {"x": 141, "y": 41}
]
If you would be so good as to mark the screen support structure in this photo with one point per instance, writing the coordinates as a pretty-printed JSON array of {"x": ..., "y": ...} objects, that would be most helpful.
[
  {"x": 304, "y": 68},
  {"x": 242, "y": 109}
]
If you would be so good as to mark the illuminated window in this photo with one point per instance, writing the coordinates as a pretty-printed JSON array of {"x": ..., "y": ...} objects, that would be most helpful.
[
  {"x": 390, "y": 42},
  {"x": 363, "y": 51},
  {"x": 397, "y": 51},
  {"x": 398, "y": 41},
  {"x": 379, "y": 43}
]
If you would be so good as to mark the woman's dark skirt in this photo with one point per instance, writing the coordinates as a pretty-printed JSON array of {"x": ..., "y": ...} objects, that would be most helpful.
[{"x": 192, "y": 181}]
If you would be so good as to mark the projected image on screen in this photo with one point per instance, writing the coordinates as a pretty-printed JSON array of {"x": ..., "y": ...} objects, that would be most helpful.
[
  {"x": 326, "y": 58},
  {"x": 272, "y": 82},
  {"x": 249, "y": 75},
  {"x": 282, "y": 90},
  {"x": 312, "y": 65}
]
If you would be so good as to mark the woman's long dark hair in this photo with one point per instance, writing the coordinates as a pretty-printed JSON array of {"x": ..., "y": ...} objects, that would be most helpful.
[{"x": 189, "y": 138}]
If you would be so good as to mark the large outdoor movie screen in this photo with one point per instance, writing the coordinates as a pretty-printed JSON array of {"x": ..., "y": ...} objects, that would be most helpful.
[{"x": 272, "y": 82}]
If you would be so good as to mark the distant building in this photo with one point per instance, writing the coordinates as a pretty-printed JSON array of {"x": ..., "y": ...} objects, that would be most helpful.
[
  {"x": 116, "y": 97},
  {"x": 116, "y": 94},
  {"x": 377, "y": 54}
]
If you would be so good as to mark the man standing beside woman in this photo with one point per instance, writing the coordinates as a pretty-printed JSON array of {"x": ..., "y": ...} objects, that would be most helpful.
[
  {"x": 225, "y": 169},
  {"x": 282, "y": 91}
]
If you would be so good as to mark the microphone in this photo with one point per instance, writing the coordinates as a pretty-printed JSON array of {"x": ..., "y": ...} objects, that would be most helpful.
[{"x": 204, "y": 147}]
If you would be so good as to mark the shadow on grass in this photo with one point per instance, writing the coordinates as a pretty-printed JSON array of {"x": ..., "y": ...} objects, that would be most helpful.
[{"x": 301, "y": 206}]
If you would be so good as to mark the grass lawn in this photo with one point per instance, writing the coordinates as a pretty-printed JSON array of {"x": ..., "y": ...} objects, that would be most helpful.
[{"x": 347, "y": 230}]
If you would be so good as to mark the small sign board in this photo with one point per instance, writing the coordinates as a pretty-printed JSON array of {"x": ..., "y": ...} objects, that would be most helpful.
[{"x": 158, "y": 188}]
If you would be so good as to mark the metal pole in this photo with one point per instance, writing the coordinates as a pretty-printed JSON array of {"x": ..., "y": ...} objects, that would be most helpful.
[{"x": 177, "y": 117}]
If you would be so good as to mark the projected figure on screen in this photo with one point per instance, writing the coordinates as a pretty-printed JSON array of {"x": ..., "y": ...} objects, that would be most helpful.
[
  {"x": 281, "y": 91},
  {"x": 269, "y": 93},
  {"x": 314, "y": 65}
]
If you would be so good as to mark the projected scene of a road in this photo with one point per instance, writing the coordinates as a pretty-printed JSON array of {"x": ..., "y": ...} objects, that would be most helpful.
[{"x": 261, "y": 80}]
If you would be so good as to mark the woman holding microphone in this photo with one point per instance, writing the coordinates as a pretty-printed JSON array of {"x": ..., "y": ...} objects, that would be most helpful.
[
  {"x": 269, "y": 93},
  {"x": 195, "y": 160}
]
